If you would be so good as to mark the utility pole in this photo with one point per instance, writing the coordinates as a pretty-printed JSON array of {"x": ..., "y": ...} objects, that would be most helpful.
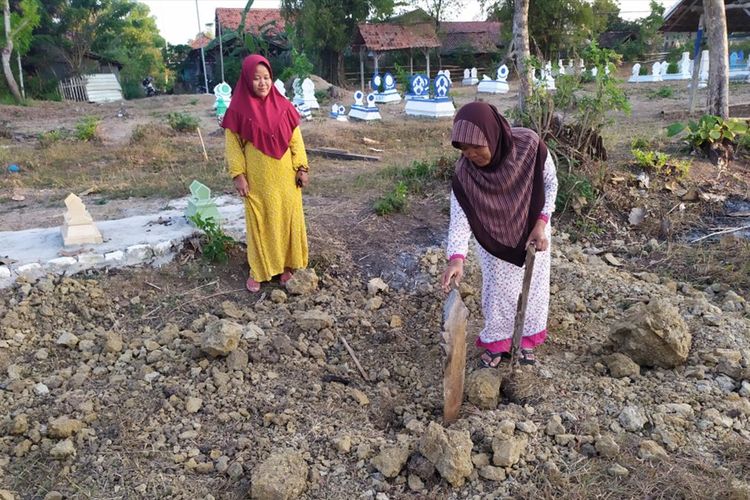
[{"x": 203, "y": 54}]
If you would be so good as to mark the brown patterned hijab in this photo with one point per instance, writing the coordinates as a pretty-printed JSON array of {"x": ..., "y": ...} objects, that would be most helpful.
[{"x": 502, "y": 200}]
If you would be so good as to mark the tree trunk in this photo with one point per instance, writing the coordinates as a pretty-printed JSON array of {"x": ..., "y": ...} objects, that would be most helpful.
[
  {"x": 522, "y": 53},
  {"x": 7, "y": 51},
  {"x": 718, "y": 68}
]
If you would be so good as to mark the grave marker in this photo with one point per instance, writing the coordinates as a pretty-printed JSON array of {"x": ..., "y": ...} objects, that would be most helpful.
[
  {"x": 201, "y": 203},
  {"x": 78, "y": 225}
]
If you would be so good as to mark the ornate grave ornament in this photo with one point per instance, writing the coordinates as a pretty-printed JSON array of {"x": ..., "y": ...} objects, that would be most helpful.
[
  {"x": 201, "y": 203},
  {"x": 474, "y": 73},
  {"x": 547, "y": 79},
  {"x": 656, "y": 72},
  {"x": 635, "y": 73},
  {"x": 362, "y": 111},
  {"x": 686, "y": 66},
  {"x": 468, "y": 79},
  {"x": 594, "y": 71},
  {"x": 502, "y": 73},
  {"x": 389, "y": 93},
  {"x": 703, "y": 69},
  {"x": 498, "y": 86},
  {"x": 338, "y": 113},
  {"x": 438, "y": 106},
  {"x": 78, "y": 226},
  {"x": 375, "y": 82},
  {"x": 297, "y": 90},
  {"x": 304, "y": 111},
  {"x": 734, "y": 60},
  {"x": 664, "y": 67},
  {"x": 308, "y": 94},
  {"x": 280, "y": 87},
  {"x": 390, "y": 82},
  {"x": 560, "y": 67}
]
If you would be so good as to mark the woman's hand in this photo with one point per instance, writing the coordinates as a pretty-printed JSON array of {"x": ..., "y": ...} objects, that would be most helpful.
[
  {"x": 455, "y": 270},
  {"x": 240, "y": 184},
  {"x": 537, "y": 237},
  {"x": 301, "y": 179}
]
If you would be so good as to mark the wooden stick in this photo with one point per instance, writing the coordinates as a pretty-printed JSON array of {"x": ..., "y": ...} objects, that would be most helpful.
[
  {"x": 203, "y": 144},
  {"x": 153, "y": 286},
  {"x": 354, "y": 357},
  {"x": 726, "y": 231}
]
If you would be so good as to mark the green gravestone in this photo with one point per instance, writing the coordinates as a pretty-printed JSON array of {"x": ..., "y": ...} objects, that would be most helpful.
[
  {"x": 221, "y": 107},
  {"x": 201, "y": 203}
]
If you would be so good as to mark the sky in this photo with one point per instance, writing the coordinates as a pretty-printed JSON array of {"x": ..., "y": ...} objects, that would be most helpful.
[{"x": 178, "y": 21}]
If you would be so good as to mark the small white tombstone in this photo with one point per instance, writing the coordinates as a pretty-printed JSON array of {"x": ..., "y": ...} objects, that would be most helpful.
[
  {"x": 685, "y": 66},
  {"x": 468, "y": 78},
  {"x": 547, "y": 79},
  {"x": 560, "y": 67},
  {"x": 594, "y": 71},
  {"x": 338, "y": 113},
  {"x": 498, "y": 86},
  {"x": 389, "y": 93},
  {"x": 297, "y": 92},
  {"x": 78, "y": 226},
  {"x": 223, "y": 91},
  {"x": 308, "y": 94},
  {"x": 280, "y": 87},
  {"x": 703, "y": 69},
  {"x": 655, "y": 75},
  {"x": 304, "y": 111},
  {"x": 664, "y": 68},
  {"x": 360, "y": 111},
  {"x": 635, "y": 74},
  {"x": 473, "y": 72}
]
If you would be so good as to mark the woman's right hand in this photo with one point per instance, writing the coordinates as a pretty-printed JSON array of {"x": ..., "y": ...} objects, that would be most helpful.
[
  {"x": 454, "y": 271},
  {"x": 240, "y": 184}
]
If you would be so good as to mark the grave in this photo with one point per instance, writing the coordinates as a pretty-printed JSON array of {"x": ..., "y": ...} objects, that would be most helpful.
[
  {"x": 419, "y": 87},
  {"x": 223, "y": 93},
  {"x": 498, "y": 86},
  {"x": 201, "y": 203},
  {"x": 360, "y": 111},
  {"x": 560, "y": 67},
  {"x": 470, "y": 77},
  {"x": 338, "y": 113},
  {"x": 547, "y": 79},
  {"x": 78, "y": 227},
  {"x": 308, "y": 94},
  {"x": 635, "y": 73},
  {"x": 280, "y": 87},
  {"x": 389, "y": 93},
  {"x": 686, "y": 66},
  {"x": 439, "y": 106},
  {"x": 703, "y": 70},
  {"x": 304, "y": 111}
]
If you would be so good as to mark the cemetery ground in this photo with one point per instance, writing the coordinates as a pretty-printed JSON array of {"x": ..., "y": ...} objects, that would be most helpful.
[{"x": 107, "y": 391}]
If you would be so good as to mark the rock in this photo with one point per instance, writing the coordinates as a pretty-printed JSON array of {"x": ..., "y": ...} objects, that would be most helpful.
[
  {"x": 619, "y": 366},
  {"x": 19, "y": 425},
  {"x": 421, "y": 467},
  {"x": 376, "y": 285},
  {"x": 449, "y": 451},
  {"x": 414, "y": 483},
  {"x": 507, "y": 451},
  {"x": 729, "y": 362},
  {"x": 278, "y": 296},
  {"x": 612, "y": 260},
  {"x": 607, "y": 447},
  {"x": 343, "y": 443},
  {"x": 480, "y": 460},
  {"x": 193, "y": 405},
  {"x": 235, "y": 471},
  {"x": 391, "y": 460},
  {"x": 374, "y": 303},
  {"x": 40, "y": 389},
  {"x": 67, "y": 339},
  {"x": 653, "y": 335},
  {"x": 7, "y": 495},
  {"x": 302, "y": 282},
  {"x": 527, "y": 426},
  {"x": 617, "y": 470},
  {"x": 64, "y": 427},
  {"x": 650, "y": 450},
  {"x": 632, "y": 419},
  {"x": 555, "y": 426},
  {"x": 745, "y": 389},
  {"x": 396, "y": 321},
  {"x": 231, "y": 310},
  {"x": 220, "y": 337},
  {"x": 237, "y": 360},
  {"x": 53, "y": 495},
  {"x": 282, "y": 476},
  {"x": 483, "y": 388},
  {"x": 63, "y": 450},
  {"x": 113, "y": 342},
  {"x": 359, "y": 396},
  {"x": 492, "y": 473},
  {"x": 314, "y": 320}
]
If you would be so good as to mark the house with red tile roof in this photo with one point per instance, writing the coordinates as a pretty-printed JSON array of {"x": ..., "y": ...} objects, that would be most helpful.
[
  {"x": 476, "y": 37},
  {"x": 255, "y": 21}
]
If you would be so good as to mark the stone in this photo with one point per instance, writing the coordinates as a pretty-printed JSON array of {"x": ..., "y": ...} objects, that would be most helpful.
[
  {"x": 507, "y": 451},
  {"x": 40, "y": 389},
  {"x": 415, "y": 484},
  {"x": 492, "y": 473},
  {"x": 653, "y": 335},
  {"x": 237, "y": 360},
  {"x": 193, "y": 405},
  {"x": 7, "y": 495},
  {"x": 618, "y": 470},
  {"x": 53, "y": 495},
  {"x": 201, "y": 204},
  {"x": 483, "y": 388},
  {"x": 64, "y": 427},
  {"x": 278, "y": 296},
  {"x": 449, "y": 451},
  {"x": 314, "y": 320},
  {"x": 391, "y": 460},
  {"x": 527, "y": 426},
  {"x": 555, "y": 426},
  {"x": 282, "y": 476},
  {"x": 607, "y": 447},
  {"x": 235, "y": 471},
  {"x": 650, "y": 450},
  {"x": 396, "y": 321},
  {"x": 359, "y": 396},
  {"x": 480, "y": 460},
  {"x": 376, "y": 285},
  {"x": 78, "y": 225},
  {"x": 113, "y": 342},
  {"x": 220, "y": 337},
  {"x": 619, "y": 366},
  {"x": 302, "y": 282},
  {"x": 116, "y": 258},
  {"x": 19, "y": 425},
  {"x": 374, "y": 303},
  {"x": 67, "y": 339},
  {"x": 632, "y": 419},
  {"x": 61, "y": 264},
  {"x": 232, "y": 310},
  {"x": 343, "y": 443},
  {"x": 135, "y": 254},
  {"x": 63, "y": 449}
]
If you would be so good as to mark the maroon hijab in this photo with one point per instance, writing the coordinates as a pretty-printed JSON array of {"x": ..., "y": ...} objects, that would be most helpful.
[
  {"x": 267, "y": 123},
  {"x": 502, "y": 200}
]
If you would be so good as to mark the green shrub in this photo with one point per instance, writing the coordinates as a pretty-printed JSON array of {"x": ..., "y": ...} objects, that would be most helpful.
[
  {"x": 661, "y": 93},
  {"x": 47, "y": 139},
  {"x": 711, "y": 129},
  {"x": 182, "y": 122},
  {"x": 86, "y": 128},
  {"x": 673, "y": 68},
  {"x": 395, "y": 201},
  {"x": 660, "y": 163},
  {"x": 215, "y": 244},
  {"x": 643, "y": 70},
  {"x": 574, "y": 192}
]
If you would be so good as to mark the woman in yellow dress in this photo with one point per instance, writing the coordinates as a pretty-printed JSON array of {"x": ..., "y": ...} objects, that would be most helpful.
[{"x": 267, "y": 161}]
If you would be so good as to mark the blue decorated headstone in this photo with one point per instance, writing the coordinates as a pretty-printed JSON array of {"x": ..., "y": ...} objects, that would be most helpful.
[
  {"x": 421, "y": 104},
  {"x": 359, "y": 98},
  {"x": 442, "y": 86},
  {"x": 502, "y": 73},
  {"x": 420, "y": 86},
  {"x": 362, "y": 111},
  {"x": 389, "y": 81},
  {"x": 375, "y": 82}
]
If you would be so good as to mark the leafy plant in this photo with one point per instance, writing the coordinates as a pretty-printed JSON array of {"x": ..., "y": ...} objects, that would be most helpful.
[
  {"x": 673, "y": 68},
  {"x": 643, "y": 70},
  {"x": 574, "y": 191},
  {"x": 182, "y": 122},
  {"x": 413, "y": 179},
  {"x": 47, "y": 139},
  {"x": 395, "y": 201},
  {"x": 86, "y": 128},
  {"x": 663, "y": 93},
  {"x": 193, "y": 102},
  {"x": 301, "y": 66},
  {"x": 216, "y": 243},
  {"x": 402, "y": 76},
  {"x": 714, "y": 136}
]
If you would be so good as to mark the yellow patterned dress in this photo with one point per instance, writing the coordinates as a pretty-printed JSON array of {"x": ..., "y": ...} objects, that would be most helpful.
[{"x": 276, "y": 234}]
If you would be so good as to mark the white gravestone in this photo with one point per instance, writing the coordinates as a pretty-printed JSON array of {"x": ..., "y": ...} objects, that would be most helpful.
[
  {"x": 685, "y": 66},
  {"x": 308, "y": 94},
  {"x": 439, "y": 106},
  {"x": 360, "y": 111},
  {"x": 635, "y": 75},
  {"x": 498, "y": 86},
  {"x": 703, "y": 70},
  {"x": 560, "y": 67},
  {"x": 338, "y": 113},
  {"x": 389, "y": 93},
  {"x": 78, "y": 226},
  {"x": 280, "y": 87}
]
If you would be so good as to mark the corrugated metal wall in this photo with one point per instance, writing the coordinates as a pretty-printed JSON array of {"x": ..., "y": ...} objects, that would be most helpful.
[{"x": 103, "y": 87}]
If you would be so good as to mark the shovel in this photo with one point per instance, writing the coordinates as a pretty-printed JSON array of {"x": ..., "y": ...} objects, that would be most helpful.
[{"x": 455, "y": 318}]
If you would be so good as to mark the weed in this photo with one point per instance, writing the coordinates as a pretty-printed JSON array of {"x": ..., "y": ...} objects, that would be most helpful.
[
  {"x": 574, "y": 191},
  {"x": 662, "y": 93},
  {"x": 639, "y": 143},
  {"x": 660, "y": 163},
  {"x": 182, "y": 122},
  {"x": 86, "y": 128},
  {"x": 193, "y": 102},
  {"x": 47, "y": 139},
  {"x": 714, "y": 136},
  {"x": 216, "y": 243},
  {"x": 395, "y": 201}
]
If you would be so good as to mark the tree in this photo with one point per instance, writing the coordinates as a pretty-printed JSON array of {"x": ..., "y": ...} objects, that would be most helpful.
[
  {"x": 718, "y": 68},
  {"x": 18, "y": 28},
  {"x": 521, "y": 50},
  {"x": 647, "y": 39},
  {"x": 440, "y": 9},
  {"x": 325, "y": 28}
]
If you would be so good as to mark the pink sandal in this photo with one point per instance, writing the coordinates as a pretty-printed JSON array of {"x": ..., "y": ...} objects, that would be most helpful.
[
  {"x": 252, "y": 285},
  {"x": 285, "y": 277}
]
